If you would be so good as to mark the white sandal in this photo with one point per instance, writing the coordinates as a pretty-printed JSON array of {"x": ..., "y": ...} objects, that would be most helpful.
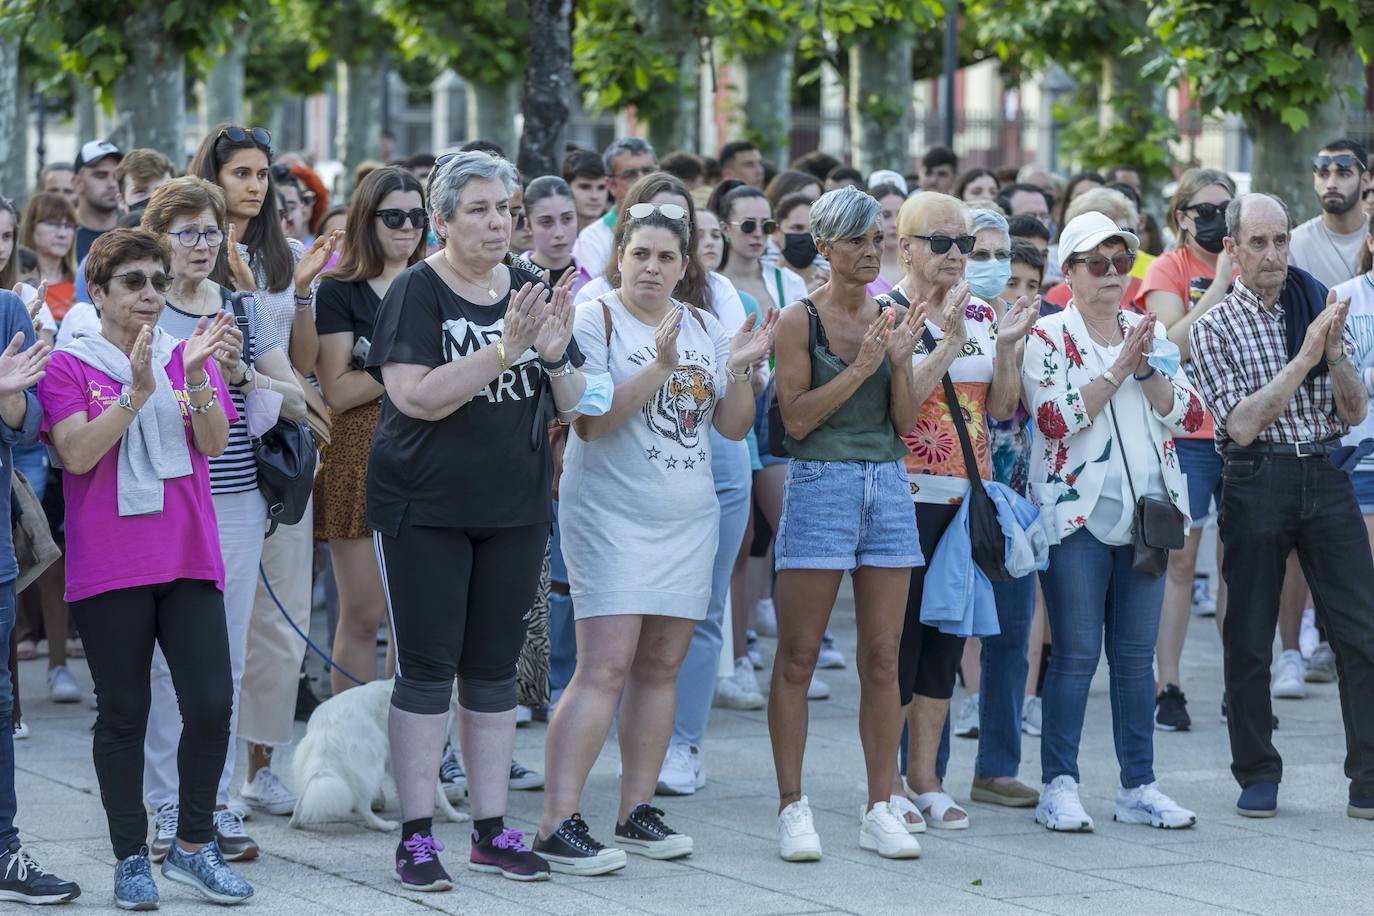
[
  {"x": 935, "y": 805},
  {"x": 905, "y": 809}
]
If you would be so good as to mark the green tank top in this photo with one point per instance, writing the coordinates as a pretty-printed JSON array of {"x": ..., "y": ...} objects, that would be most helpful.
[{"x": 861, "y": 430}]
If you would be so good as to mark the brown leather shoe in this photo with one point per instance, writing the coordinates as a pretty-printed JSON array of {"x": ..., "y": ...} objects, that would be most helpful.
[{"x": 1007, "y": 792}]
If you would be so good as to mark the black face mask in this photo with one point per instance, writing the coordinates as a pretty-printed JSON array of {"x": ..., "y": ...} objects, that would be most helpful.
[
  {"x": 1210, "y": 232},
  {"x": 799, "y": 248}
]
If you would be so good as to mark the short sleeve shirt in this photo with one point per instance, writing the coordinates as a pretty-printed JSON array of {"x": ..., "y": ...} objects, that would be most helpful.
[{"x": 346, "y": 308}]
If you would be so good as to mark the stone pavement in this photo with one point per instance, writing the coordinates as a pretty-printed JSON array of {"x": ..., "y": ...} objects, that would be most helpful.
[{"x": 1310, "y": 859}]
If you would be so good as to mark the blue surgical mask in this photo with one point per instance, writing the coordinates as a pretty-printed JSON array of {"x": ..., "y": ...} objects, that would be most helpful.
[
  {"x": 1164, "y": 356},
  {"x": 987, "y": 279}
]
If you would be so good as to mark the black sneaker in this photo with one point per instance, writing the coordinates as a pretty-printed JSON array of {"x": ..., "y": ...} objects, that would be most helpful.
[
  {"x": 306, "y": 701},
  {"x": 571, "y": 850},
  {"x": 503, "y": 852},
  {"x": 645, "y": 834},
  {"x": 1225, "y": 707},
  {"x": 417, "y": 864},
  {"x": 1171, "y": 710},
  {"x": 22, "y": 880}
]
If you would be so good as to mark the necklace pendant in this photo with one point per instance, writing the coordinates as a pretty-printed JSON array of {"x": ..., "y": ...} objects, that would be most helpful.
[{"x": 491, "y": 292}]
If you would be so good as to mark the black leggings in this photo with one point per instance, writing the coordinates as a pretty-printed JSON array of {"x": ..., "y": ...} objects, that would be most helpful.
[
  {"x": 119, "y": 629},
  {"x": 928, "y": 660},
  {"x": 458, "y": 599}
]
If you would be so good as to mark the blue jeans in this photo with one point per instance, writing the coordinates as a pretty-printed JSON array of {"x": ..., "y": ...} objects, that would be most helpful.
[
  {"x": 1090, "y": 588},
  {"x": 562, "y": 628},
  {"x": 696, "y": 680},
  {"x": 9, "y": 805}
]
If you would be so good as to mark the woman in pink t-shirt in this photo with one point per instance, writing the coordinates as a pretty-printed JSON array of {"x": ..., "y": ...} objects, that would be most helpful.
[{"x": 134, "y": 414}]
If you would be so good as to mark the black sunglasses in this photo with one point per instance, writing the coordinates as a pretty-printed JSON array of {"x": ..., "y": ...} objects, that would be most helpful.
[
  {"x": 259, "y": 135},
  {"x": 1346, "y": 161},
  {"x": 1207, "y": 211},
  {"x": 747, "y": 226},
  {"x": 940, "y": 244},
  {"x": 1097, "y": 265},
  {"x": 135, "y": 280},
  {"x": 395, "y": 219}
]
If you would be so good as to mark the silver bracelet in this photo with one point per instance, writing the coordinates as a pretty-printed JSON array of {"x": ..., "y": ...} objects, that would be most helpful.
[
  {"x": 193, "y": 389},
  {"x": 562, "y": 371},
  {"x": 204, "y": 408}
]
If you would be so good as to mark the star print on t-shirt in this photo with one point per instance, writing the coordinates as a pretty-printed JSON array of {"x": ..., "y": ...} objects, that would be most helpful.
[{"x": 653, "y": 453}]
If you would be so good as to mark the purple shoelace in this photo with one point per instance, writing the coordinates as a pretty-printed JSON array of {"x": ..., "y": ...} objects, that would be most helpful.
[
  {"x": 422, "y": 848},
  {"x": 510, "y": 839}
]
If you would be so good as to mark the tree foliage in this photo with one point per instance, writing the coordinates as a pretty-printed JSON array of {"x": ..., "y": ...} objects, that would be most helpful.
[{"x": 480, "y": 40}]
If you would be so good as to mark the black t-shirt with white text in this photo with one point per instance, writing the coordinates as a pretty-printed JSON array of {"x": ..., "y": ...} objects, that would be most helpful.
[{"x": 487, "y": 464}]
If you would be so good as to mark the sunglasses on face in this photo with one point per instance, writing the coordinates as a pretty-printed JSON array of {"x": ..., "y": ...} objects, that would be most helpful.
[
  {"x": 259, "y": 135},
  {"x": 190, "y": 238},
  {"x": 135, "y": 280},
  {"x": 1368, "y": 194},
  {"x": 1097, "y": 265},
  {"x": 669, "y": 211},
  {"x": 1345, "y": 162},
  {"x": 940, "y": 244},
  {"x": 1207, "y": 211},
  {"x": 748, "y": 226},
  {"x": 395, "y": 219}
]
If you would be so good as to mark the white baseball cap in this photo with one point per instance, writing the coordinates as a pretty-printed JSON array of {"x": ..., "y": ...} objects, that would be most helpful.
[
  {"x": 887, "y": 176},
  {"x": 93, "y": 152},
  {"x": 1088, "y": 230}
]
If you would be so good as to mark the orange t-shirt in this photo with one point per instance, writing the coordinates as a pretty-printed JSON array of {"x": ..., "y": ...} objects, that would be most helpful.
[{"x": 60, "y": 296}]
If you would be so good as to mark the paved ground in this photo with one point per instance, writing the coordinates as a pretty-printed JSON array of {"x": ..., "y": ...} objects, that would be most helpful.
[{"x": 1310, "y": 859}]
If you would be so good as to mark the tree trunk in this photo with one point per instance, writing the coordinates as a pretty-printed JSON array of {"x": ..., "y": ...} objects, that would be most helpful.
[
  {"x": 677, "y": 127},
  {"x": 1281, "y": 165},
  {"x": 768, "y": 102},
  {"x": 150, "y": 95},
  {"x": 548, "y": 87},
  {"x": 14, "y": 140},
  {"x": 87, "y": 106},
  {"x": 491, "y": 113},
  {"x": 359, "y": 133},
  {"x": 224, "y": 83},
  {"x": 880, "y": 101}
]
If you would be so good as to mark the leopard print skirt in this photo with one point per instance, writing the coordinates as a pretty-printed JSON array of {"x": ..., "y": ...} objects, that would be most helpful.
[{"x": 532, "y": 670}]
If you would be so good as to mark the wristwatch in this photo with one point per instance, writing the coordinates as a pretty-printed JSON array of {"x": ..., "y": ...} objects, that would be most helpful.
[
  {"x": 247, "y": 375},
  {"x": 126, "y": 402}
]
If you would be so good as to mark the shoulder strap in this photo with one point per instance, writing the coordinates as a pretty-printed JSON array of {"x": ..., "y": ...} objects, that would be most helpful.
[
  {"x": 697, "y": 313},
  {"x": 1121, "y": 447},
  {"x": 235, "y": 302},
  {"x": 956, "y": 412},
  {"x": 777, "y": 281},
  {"x": 814, "y": 331}
]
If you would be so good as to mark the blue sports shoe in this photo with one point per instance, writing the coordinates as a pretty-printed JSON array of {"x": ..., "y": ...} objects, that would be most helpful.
[
  {"x": 134, "y": 888},
  {"x": 207, "y": 872}
]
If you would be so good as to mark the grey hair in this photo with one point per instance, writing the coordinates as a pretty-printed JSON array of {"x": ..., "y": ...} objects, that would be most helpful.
[
  {"x": 446, "y": 186},
  {"x": 633, "y": 145},
  {"x": 844, "y": 213},
  {"x": 984, "y": 218},
  {"x": 1238, "y": 203}
]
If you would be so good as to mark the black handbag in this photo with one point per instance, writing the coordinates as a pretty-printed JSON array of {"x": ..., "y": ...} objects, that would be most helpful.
[
  {"x": 1157, "y": 526},
  {"x": 286, "y": 454},
  {"x": 776, "y": 431},
  {"x": 988, "y": 543}
]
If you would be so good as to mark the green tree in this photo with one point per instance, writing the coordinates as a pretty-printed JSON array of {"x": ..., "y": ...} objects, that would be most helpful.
[
  {"x": 763, "y": 35},
  {"x": 1292, "y": 69}
]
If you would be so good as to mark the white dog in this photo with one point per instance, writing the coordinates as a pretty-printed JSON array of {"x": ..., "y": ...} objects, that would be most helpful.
[{"x": 343, "y": 763}]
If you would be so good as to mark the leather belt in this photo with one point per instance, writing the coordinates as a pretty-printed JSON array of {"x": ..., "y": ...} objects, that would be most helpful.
[{"x": 1286, "y": 449}]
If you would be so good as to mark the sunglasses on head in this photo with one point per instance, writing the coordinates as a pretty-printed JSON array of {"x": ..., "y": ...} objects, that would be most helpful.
[
  {"x": 259, "y": 135},
  {"x": 1097, "y": 265},
  {"x": 940, "y": 244},
  {"x": 1207, "y": 211},
  {"x": 395, "y": 219},
  {"x": 669, "y": 211},
  {"x": 1346, "y": 161},
  {"x": 747, "y": 226},
  {"x": 135, "y": 280}
]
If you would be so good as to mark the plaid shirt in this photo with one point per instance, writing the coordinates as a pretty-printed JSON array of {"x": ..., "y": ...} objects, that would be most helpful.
[{"x": 1238, "y": 347}]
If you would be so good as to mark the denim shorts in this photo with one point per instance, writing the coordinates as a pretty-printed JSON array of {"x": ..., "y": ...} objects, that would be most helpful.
[
  {"x": 1364, "y": 490},
  {"x": 847, "y": 514},
  {"x": 1199, "y": 460}
]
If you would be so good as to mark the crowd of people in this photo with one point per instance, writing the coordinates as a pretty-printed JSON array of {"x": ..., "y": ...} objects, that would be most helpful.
[{"x": 563, "y": 420}]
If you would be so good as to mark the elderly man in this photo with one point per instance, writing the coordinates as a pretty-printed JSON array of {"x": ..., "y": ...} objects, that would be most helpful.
[
  {"x": 1329, "y": 246},
  {"x": 1273, "y": 359},
  {"x": 626, "y": 161}
]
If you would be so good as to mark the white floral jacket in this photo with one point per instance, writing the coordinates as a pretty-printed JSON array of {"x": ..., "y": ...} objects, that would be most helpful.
[{"x": 1068, "y": 460}]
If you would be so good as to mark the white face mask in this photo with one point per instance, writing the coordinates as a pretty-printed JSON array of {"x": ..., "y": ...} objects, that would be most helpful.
[{"x": 263, "y": 407}]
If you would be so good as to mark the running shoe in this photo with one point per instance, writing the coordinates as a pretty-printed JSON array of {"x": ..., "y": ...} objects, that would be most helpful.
[
  {"x": 23, "y": 880},
  {"x": 207, "y": 872},
  {"x": 417, "y": 864},
  {"x": 503, "y": 852}
]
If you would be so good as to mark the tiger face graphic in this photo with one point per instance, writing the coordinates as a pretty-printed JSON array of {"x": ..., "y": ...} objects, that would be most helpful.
[{"x": 679, "y": 408}]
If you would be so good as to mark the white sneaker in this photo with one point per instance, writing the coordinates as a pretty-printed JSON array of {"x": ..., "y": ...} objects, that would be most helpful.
[
  {"x": 21, "y": 731},
  {"x": 1147, "y": 805},
  {"x": 798, "y": 840},
  {"x": 755, "y": 656},
  {"x": 740, "y": 690},
  {"x": 817, "y": 689},
  {"x": 1321, "y": 668},
  {"x": 62, "y": 687},
  {"x": 1290, "y": 673},
  {"x": 766, "y": 618},
  {"x": 1060, "y": 809},
  {"x": 1204, "y": 605},
  {"x": 1030, "y": 716},
  {"x": 829, "y": 656},
  {"x": 682, "y": 773},
  {"x": 884, "y": 833},
  {"x": 966, "y": 722},
  {"x": 1308, "y": 634},
  {"x": 266, "y": 792},
  {"x": 523, "y": 715}
]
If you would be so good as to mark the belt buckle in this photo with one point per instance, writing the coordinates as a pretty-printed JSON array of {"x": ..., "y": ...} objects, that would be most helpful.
[{"x": 1304, "y": 449}]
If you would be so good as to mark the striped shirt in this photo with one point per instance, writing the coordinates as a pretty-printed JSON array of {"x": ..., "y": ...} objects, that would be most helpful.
[
  {"x": 235, "y": 471},
  {"x": 1238, "y": 347}
]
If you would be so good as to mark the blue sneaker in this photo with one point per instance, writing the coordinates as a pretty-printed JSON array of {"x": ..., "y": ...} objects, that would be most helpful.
[
  {"x": 207, "y": 872},
  {"x": 134, "y": 888},
  {"x": 1258, "y": 800}
]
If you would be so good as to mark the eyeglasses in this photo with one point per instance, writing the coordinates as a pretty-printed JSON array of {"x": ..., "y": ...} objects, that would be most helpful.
[
  {"x": 259, "y": 135},
  {"x": 940, "y": 244},
  {"x": 135, "y": 280},
  {"x": 395, "y": 219},
  {"x": 635, "y": 174},
  {"x": 1346, "y": 162},
  {"x": 58, "y": 225},
  {"x": 190, "y": 238},
  {"x": 1206, "y": 212},
  {"x": 1097, "y": 265},
  {"x": 748, "y": 226},
  {"x": 669, "y": 211}
]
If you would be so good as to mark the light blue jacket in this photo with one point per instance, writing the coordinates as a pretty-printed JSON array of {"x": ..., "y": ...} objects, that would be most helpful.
[{"x": 957, "y": 598}]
